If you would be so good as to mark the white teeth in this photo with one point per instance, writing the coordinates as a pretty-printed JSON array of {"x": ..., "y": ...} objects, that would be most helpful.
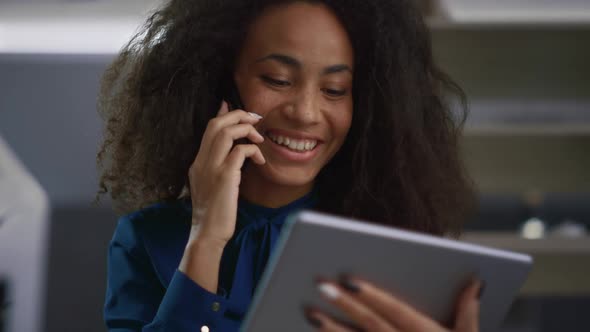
[{"x": 297, "y": 145}]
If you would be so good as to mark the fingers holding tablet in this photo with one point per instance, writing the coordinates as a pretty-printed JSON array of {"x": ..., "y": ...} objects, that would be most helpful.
[
  {"x": 467, "y": 318},
  {"x": 374, "y": 309}
]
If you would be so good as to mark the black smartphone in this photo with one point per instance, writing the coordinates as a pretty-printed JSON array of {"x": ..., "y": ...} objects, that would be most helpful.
[{"x": 232, "y": 96}]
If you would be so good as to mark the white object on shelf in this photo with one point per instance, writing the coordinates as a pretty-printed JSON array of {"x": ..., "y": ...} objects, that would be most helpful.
[
  {"x": 533, "y": 229},
  {"x": 516, "y": 11}
]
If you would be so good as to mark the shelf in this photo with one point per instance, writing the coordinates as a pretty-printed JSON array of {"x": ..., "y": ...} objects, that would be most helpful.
[
  {"x": 507, "y": 13},
  {"x": 512, "y": 241},
  {"x": 510, "y": 117},
  {"x": 528, "y": 130},
  {"x": 560, "y": 264}
]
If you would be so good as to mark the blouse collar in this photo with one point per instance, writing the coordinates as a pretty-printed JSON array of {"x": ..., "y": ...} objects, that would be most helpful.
[
  {"x": 262, "y": 214},
  {"x": 306, "y": 201}
]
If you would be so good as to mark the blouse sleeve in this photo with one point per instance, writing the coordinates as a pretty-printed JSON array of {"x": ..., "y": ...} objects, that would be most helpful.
[{"x": 136, "y": 299}]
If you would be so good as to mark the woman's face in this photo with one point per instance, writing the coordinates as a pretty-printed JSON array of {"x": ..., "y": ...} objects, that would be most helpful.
[{"x": 295, "y": 69}]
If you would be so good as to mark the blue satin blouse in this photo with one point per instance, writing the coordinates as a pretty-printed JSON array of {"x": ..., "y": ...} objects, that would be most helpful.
[{"x": 147, "y": 292}]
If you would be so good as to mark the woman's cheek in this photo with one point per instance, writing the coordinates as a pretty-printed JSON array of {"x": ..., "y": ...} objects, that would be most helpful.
[
  {"x": 261, "y": 99},
  {"x": 341, "y": 117}
]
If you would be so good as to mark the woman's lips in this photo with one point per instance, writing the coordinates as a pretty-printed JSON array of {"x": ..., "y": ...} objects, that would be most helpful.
[
  {"x": 292, "y": 134},
  {"x": 291, "y": 155}
]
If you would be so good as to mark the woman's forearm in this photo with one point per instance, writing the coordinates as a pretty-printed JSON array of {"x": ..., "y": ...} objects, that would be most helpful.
[{"x": 201, "y": 260}]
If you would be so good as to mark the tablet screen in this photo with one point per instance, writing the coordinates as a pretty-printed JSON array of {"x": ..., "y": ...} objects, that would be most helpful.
[{"x": 425, "y": 271}]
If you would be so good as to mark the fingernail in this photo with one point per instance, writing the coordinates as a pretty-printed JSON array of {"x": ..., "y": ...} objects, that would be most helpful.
[
  {"x": 481, "y": 289},
  {"x": 255, "y": 115},
  {"x": 348, "y": 284},
  {"x": 313, "y": 321},
  {"x": 328, "y": 290}
]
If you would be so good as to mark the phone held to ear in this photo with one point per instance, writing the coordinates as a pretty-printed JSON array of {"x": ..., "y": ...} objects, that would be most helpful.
[{"x": 232, "y": 97}]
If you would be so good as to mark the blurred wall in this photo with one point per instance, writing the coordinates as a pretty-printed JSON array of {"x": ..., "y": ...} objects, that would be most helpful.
[{"x": 48, "y": 116}]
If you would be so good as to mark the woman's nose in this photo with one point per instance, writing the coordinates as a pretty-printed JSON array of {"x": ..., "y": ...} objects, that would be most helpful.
[{"x": 304, "y": 109}]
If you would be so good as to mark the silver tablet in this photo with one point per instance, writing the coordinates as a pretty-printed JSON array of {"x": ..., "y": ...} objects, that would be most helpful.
[{"x": 427, "y": 272}]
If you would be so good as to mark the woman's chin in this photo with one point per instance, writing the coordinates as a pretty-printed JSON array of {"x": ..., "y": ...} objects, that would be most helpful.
[{"x": 287, "y": 176}]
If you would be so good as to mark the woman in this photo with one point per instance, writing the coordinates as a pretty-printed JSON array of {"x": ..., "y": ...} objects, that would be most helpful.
[{"x": 339, "y": 108}]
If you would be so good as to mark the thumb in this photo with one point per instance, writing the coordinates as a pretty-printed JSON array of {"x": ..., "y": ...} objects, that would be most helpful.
[{"x": 467, "y": 319}]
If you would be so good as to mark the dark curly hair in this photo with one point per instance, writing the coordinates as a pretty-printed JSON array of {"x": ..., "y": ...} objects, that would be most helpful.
[{"x": 399, "y": 165}]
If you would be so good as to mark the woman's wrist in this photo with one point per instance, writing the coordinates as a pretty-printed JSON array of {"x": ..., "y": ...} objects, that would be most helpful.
[
  {"x": 200, "y": 239},
  {"x": 201, "y": 260}
]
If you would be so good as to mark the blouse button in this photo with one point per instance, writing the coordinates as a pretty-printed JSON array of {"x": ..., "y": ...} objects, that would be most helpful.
[
  {"x": 204, "y": 328},
  {"x": 215, "y": 306}
]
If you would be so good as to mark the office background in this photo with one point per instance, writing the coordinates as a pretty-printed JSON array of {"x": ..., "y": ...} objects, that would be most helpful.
[{"x": 527, "y": 142}]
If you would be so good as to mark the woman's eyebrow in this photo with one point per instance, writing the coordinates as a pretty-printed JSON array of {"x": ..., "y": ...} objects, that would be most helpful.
[
  {"x": 284, "y": 59},
  {"x": 292, "y": 62},
  {"x": 336, "y": 69}
]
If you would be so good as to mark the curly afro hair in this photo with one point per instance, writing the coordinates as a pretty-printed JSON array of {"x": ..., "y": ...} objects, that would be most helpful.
[{"x": 400, "y": 164}]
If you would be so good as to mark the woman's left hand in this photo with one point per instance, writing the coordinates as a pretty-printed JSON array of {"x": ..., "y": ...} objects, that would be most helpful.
[{"x": 375, "y": 310}]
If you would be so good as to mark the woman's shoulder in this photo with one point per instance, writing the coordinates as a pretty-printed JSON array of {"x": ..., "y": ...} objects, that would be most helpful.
[
  {"x": 153, "y": 238},
  {"x": 159, "y": 220},
  {"x": 155, "y": 212}
]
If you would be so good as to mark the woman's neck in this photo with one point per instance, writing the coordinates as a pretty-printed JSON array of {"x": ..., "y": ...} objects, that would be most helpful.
[{"x": 256, "y": 189}]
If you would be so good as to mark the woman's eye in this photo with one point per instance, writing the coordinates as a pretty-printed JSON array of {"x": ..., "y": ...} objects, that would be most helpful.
[
  {"x": 335, "y": 93},
  {"x": 274, "y": 82}
]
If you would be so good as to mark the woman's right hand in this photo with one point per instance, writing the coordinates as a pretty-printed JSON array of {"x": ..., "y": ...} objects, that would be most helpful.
[{"x": 216, "y": 173}]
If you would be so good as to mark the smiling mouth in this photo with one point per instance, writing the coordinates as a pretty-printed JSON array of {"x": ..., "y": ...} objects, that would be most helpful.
[{"x": 296, "y": 145}]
